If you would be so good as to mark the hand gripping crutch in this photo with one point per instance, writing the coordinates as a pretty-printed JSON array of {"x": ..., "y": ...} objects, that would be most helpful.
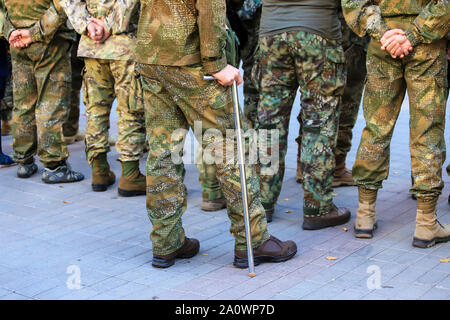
[{"x": 241, "y": 160}]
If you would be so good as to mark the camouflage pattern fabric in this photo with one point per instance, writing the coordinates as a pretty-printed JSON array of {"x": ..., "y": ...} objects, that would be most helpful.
[
  {"x": 208, "y": 178},
  {"x": 423, "y": 20},
  {"x": 423, "y": 74},
  {"x": 120, "y": 18},
  {"x": 176, "y": 41},
  {"x": 103, "y": 81},
  {"x": 42, "y": 77},
  {"x": 70, "y": 127},
  {"x": 355, "y": 49},
  {"x": 251, "y": 16},
  {"x": 174, "y": 98},
  {"x": 292, "y": 60}
]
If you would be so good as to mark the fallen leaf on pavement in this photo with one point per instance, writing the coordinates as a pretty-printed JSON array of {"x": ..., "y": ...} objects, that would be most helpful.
[
  {"x": 286, "y": 199},
  {"x": 331, "y": 258},
  {"x": 445, "y": 260},
  {"x": 288, "y": 211},
  {"x": 345, "y": 229},
  {"x": 334, "y": 194}
]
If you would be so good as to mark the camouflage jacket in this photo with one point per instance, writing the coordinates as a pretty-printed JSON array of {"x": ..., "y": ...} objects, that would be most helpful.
[
  {"x": 41, "y": 17},
  {"x": 182, "y": 32},
  {"x": 120, "y": 17},
  {"x": 427, "y": 20}
]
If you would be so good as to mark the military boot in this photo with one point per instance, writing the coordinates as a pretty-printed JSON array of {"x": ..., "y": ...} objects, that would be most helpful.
[
  {"x": 214, "y": 205},
  {"x": 429, "y": 230},
  {"x": 342, "y": 176},
  {"x": 132, "y": 182},
  {"x": 102, "y": 176},
  {"x": 336, "y": 216},
  {"x": 366, "y": 220}
]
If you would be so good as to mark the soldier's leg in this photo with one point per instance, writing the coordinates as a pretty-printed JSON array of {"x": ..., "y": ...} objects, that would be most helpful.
[
  {"x": 70, "y": 127},
  {"x": 278, "y": 87},
  {"x": 355, "y": 58},
  {"x": 383, "y": 96},
  {"x": 23, "y": 116},
  {"x": 427, "y": 91},
  {"x": 319, "y": 66},
  {"x": 98, "y": 96},
  {"x": 166, "y": 129},
  {"x": 131, "y": 131},
  {"x": 212, "y": 196}
]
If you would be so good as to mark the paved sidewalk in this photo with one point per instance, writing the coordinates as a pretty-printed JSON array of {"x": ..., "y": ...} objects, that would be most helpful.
[{"x": 52, "y": 235}]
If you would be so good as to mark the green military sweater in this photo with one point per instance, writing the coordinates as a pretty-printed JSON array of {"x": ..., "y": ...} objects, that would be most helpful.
[
  {"x": 423, "y": 20},
  {"x": 182, "y": 32},
  {"x": 316, "y": 16}
]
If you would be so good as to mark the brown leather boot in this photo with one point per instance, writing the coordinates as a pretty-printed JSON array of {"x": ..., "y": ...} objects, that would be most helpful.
[
  {"x": 189, "y": 249},
  {"x": 214, "y": 205},
  {"x": 336, "y": 216},
  {"x": 102, "y": 176},
  {"x": 429, "y": 230},
  {"x": 366, "y": 220},
  {"x": 132, "y": 183},
  {"x": 271, "y": 250},
  {"x": 6, "y": 128},
  {"x": 342, "y": 176}
]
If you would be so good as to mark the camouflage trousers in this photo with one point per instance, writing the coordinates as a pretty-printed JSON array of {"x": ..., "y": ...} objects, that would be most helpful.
[
  {"x": 314, "y": 65},
  {"x": 423, "y": 75},
  {"x": 175, "y": 98},
  {"x": 70, "y": 127},
  {"x": 103, "y": 82},
  {"x": 248, "y": 53},
  {"x": 355, "y": 65},
  {"x": 6, "y": 103},
  {"x": 42, "y": 75},
  {"x": 210, "y": 184}
]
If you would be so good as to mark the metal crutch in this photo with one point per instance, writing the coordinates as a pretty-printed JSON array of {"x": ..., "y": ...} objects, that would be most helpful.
[{"x": 241, "y": 154}]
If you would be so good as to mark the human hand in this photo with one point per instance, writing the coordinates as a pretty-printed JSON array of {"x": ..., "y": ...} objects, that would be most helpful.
[
  {"x": 20, "y": 38},
  {"x": 100, "y": 24},
  {"x": 95, "y": 31},
  {"x": 396, "y": 43},
  {"x": 228, "y": 75}
]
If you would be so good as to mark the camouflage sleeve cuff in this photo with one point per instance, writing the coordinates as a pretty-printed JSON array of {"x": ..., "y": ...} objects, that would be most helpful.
[
  {"x": 35, "y": 33},
  {"x": 413, "y": 38},
  {"x": 214, "y": 66}
]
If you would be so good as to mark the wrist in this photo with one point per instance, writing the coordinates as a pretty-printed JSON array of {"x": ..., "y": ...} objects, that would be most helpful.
[{"x": 35, "y": 33}]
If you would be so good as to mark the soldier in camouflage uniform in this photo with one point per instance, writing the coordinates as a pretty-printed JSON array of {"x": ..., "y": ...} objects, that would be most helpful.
[
  {"x": 71, "y": 126},
  {"x": 420, "y": 26},
  {"x": 109, "y": 69},
  {"x": 300, "y": 49},
  {"x": 41, "y": 68},
  {"x": 172, "y": 60},
  {"x": 355, "y": 49}
]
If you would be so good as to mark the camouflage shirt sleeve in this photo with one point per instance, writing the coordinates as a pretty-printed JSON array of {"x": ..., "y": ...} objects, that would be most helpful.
[
  {"x": 49, "y": 23},
  {"x": 364, "y": 17},
  {"x": 119, "y": 19},
  {"x": 77, "y": 13},
  {"x": 431, "y": 24},
  {"x": 211, "y": 26},
  {"x": 8, "y": 27}
]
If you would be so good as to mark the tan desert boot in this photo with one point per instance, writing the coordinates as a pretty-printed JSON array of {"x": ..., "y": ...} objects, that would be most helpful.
[
  {"x": 132, "y": 183},
  {"x": 429, "y": 230},
  {"x": 342, "y": 176},
  {"x": 102, "y": 176},
  {"x": 366, "y": 220}
]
